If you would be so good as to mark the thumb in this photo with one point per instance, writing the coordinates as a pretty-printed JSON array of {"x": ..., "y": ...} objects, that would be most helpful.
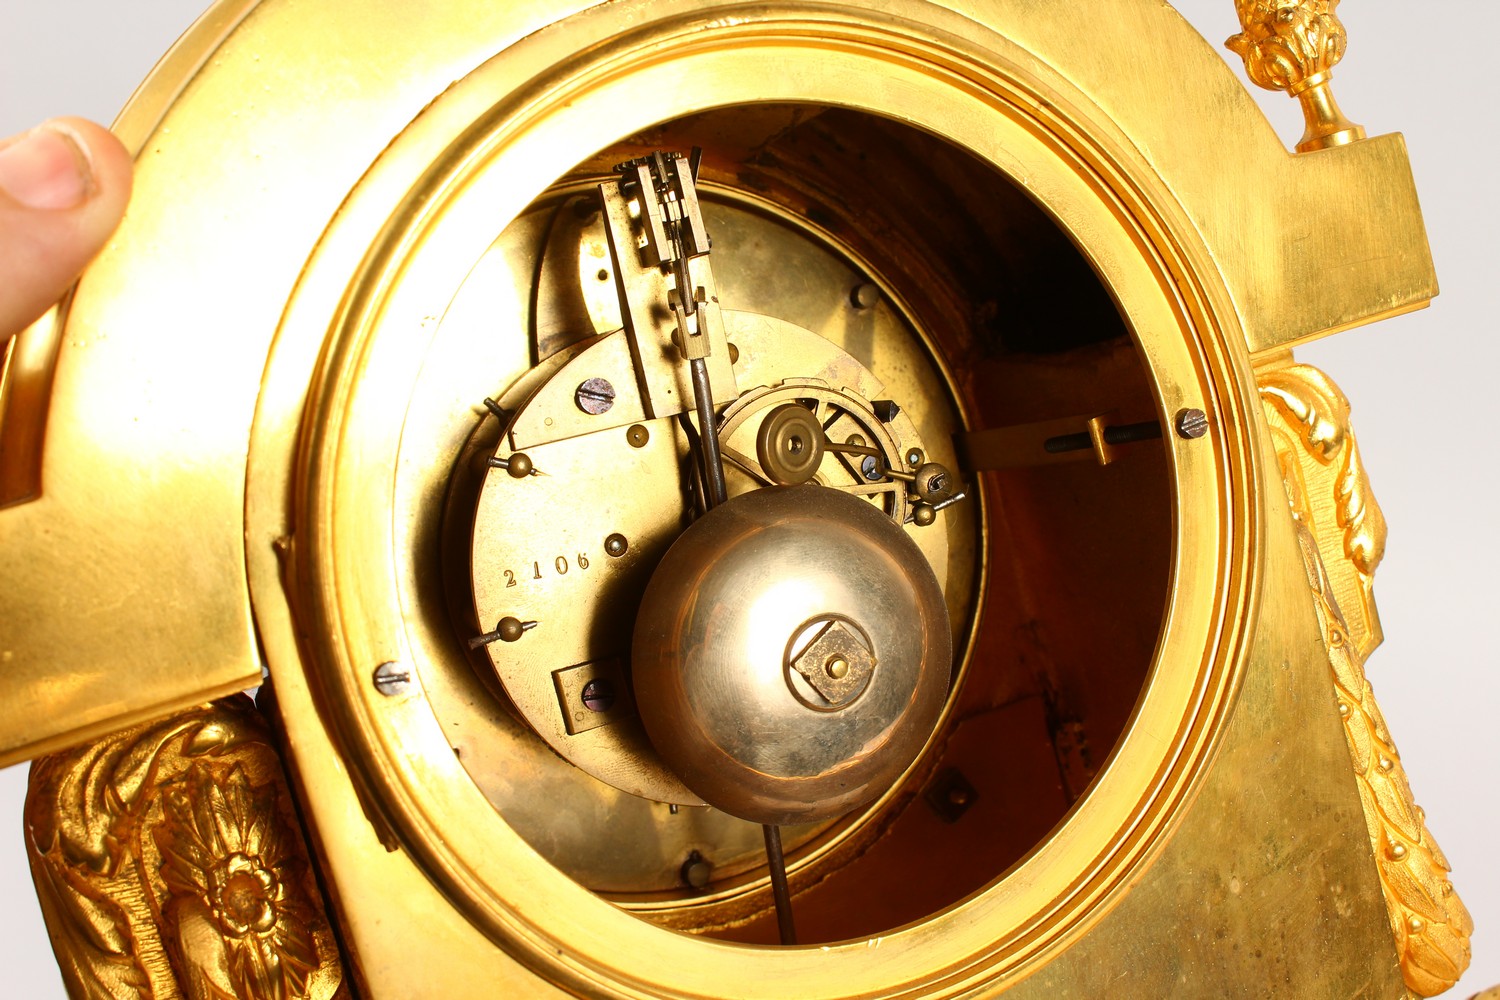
[{"x": 63, "y": 189}]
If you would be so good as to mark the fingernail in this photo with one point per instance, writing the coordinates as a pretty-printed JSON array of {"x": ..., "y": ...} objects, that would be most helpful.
[{"x": 47, "y": 168}]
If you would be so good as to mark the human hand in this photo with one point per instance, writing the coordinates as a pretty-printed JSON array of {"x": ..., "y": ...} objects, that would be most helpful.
[{"x": 63, "y": 189}]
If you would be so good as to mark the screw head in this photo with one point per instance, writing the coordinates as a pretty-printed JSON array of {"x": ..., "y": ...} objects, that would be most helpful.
[
  {"x": 595, "y": 395},
  {"x": 599, "y": 695},
  {"x": 1192, "y": 423},
  {"x": 391, "y": 678},
  {"x": 870, "y": 468}
]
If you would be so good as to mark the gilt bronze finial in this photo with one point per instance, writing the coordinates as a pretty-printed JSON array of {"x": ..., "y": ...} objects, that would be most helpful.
[{"x": 1293, "y": 45}]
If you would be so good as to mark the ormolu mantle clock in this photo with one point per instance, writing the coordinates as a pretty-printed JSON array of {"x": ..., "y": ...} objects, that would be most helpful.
[{"x": 778, "y": 499}]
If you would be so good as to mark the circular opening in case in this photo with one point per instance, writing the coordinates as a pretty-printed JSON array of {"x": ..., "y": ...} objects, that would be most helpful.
[{"x": 865, "y": 268}]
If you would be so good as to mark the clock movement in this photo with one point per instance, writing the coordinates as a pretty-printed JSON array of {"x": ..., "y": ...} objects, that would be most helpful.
[{"x": 718, "y": 499}]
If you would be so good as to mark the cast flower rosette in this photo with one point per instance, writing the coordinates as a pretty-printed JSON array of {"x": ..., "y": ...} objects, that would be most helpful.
[{"x": 232, "y": 892}]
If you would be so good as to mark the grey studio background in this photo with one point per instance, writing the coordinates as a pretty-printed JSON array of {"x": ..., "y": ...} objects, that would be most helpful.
[{"x": 1423, "y": 388}]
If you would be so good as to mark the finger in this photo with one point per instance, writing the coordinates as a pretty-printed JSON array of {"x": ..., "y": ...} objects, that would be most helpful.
[{"x": 63, "y": 189}]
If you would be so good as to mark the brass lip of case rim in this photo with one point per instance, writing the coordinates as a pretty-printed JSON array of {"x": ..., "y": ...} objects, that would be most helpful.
[{"x": 365, "y": 722}]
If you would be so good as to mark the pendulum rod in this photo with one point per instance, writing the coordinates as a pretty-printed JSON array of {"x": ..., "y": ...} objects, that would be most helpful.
[
  {"x": 713, "y": 462},
  {"x": 667, "y": 187},
  {"x": 777, "y": 864}
]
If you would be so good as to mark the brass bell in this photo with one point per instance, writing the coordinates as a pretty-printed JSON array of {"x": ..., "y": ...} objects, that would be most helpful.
[{"x": 792, "y": 654}]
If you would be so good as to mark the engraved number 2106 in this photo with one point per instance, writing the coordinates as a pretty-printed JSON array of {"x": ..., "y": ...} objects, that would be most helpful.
[{"x": 559, "y": 566}]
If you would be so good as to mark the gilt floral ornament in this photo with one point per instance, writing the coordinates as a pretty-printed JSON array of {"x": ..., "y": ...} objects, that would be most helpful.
[
  {"x": 225, "y": 862},
  {"x": 1285, "y": 43},
  {"x": 1293, "y": 45}
]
